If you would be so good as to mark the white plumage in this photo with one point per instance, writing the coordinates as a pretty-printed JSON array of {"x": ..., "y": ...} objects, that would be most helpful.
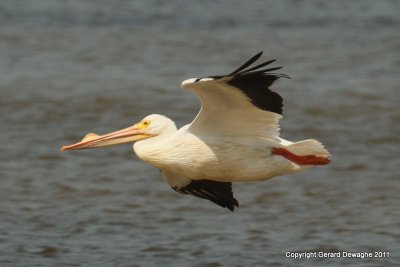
[
  {"x": 230, "y": 158},
  {"x": 234, "y": 137}
]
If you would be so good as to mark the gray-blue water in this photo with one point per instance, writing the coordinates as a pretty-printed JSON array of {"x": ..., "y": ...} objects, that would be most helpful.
[{"x": 72, "y": 67}]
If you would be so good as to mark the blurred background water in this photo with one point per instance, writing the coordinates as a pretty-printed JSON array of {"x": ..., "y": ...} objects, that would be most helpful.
[{"x": 72, "y": 67}]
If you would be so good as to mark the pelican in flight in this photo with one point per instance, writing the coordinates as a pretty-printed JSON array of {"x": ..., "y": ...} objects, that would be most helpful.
[{"x": 234, "y": 137}]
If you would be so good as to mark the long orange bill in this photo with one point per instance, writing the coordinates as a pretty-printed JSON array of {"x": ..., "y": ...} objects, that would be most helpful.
[{"x": 92, "y": 140}]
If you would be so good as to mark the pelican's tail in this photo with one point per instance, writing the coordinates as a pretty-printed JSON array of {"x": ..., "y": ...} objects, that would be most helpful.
[{"x": 306, "y": 152}]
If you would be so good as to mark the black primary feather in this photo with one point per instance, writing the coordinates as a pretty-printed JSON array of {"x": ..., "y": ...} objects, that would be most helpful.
[
  {"x": 218, "y": 192},
  {"x": 258, "y": 66},
  {"x": 255, "y": 83},
  {"x": 247, "y": 63}
]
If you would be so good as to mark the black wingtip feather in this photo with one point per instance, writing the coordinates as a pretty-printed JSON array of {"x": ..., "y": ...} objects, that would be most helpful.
[
  {"x": 247, "y": 63},
  {"x": 244, "y": 70},
  {"x": 258, "y": 66}
]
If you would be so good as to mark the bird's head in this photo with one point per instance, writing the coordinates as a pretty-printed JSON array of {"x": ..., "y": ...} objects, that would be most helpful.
[{"x": 151, "y": 126}]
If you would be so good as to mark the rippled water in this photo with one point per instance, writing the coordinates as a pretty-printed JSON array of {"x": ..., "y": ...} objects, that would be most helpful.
[{"x": 72, "y": 67}]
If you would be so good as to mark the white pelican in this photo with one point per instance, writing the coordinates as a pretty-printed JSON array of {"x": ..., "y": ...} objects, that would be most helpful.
[{"x": 234, "y": 137}]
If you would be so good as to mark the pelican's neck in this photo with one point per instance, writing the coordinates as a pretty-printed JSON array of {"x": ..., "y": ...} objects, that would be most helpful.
[{"x": 151, "y": 149}]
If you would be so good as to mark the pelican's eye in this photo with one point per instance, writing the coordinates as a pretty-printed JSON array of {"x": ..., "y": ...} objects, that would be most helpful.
[{"x": 145, "y": 124}]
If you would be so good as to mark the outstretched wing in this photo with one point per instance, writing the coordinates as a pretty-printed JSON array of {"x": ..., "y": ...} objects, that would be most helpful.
[
  {"x": 238, "y": 104},
  {"x": 218, "y": 192}
]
